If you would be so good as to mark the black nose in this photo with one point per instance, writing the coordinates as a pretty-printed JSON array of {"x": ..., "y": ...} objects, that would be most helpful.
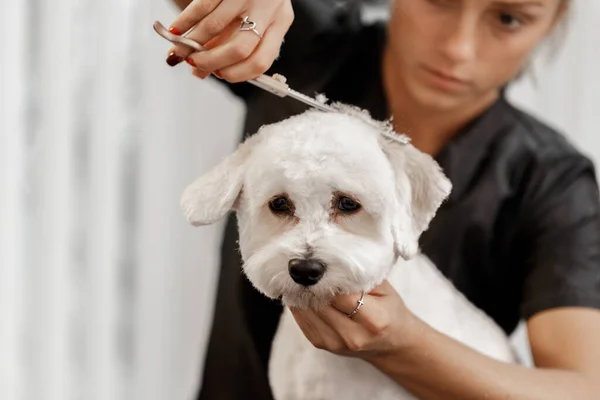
[{"x": 306, "y": 272}]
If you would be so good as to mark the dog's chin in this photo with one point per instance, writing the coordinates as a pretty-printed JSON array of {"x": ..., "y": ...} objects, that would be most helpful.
[
  {"x": 311, "y": 297},
  {"x": 276, "y": 283},
  {"x": 362, "y": 268},
  {"x": 321, "y": 294},
  {"x": 305, "y": 298},
  {"x": 279, "y": 285}
]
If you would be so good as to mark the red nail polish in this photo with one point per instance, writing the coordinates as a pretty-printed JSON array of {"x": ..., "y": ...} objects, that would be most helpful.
[
  {"x": 175, "y": 31},
  {"x": 174, "y": 59},
  {"x": 190, "y": 61}
]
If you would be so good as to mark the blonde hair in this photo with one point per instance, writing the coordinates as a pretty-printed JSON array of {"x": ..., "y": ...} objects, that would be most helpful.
[
  {"x": 554, "y": 42},
  {"x": 559, "y": 33}
]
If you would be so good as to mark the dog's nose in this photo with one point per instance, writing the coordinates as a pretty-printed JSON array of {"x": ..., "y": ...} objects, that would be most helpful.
[{"x": 306, "y": 272}]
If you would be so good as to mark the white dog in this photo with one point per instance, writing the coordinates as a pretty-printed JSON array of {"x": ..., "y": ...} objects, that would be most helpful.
[{"x": 330, "y": 203}]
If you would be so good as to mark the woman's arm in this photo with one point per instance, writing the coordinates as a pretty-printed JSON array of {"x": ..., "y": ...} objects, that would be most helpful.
[{"x": 565, "y": 345}]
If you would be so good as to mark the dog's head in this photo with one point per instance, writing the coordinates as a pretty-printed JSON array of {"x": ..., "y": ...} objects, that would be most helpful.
[{"x": 325, "y": 204}]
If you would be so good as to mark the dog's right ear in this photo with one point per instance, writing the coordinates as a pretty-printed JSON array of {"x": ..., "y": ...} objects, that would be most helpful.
[
  {"x": 210, "y": 197},
  {"x": 421, "y": 187}
]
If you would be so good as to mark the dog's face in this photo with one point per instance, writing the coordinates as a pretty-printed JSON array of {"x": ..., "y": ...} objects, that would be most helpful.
[{"x": 325, "y": 204}]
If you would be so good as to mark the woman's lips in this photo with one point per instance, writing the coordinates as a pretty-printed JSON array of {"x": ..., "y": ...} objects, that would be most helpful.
[{"x": 445, "y": 81}]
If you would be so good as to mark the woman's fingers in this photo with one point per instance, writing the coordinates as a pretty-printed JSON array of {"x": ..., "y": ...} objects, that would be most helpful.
[
  {"x": 194, "y": 13},
  {"x": 200, "y": 74},
  {"x": 241, "y": 46},
  {"x": 372, "y": 314},
  {"x": 346, "y": 304},
  {"x": 240, "y": 55},
  {"x": 215, "y": 22},
  {"x": 265, "y": 53},
  {"x": 321, "y": 335},
  {"x": 383, "y": 289},
  {"x": 211, "y": 25},
  {"x": 211, "y": 44},
  {"x": 334, "y": 318}
]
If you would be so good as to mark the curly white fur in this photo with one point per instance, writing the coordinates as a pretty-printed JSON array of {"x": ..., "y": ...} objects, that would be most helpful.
[{"x": 311, "y": 158}]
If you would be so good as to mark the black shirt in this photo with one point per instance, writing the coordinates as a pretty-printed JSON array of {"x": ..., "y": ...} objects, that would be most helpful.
[{"x": 519, "y": 234}]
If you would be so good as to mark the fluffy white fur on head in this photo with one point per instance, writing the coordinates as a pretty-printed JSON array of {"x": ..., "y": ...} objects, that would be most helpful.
[{"x": 327, "y": 187}]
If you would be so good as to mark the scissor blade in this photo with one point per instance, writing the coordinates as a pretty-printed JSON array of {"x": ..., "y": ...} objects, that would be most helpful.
[{"x": 308, "y": 100}]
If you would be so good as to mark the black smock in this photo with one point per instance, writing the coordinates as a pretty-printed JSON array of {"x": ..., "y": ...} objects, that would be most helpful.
[{"x": 519, "y": 234}]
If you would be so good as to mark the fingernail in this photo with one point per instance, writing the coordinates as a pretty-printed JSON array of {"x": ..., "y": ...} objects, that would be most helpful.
[
  {"x": 190, "y": 61},
  {"x": 203, "y": 75},
  {"x": 218, "y": 74},
  {"x": 174, "y": 59},
  {"x": 175, "y": 31}
]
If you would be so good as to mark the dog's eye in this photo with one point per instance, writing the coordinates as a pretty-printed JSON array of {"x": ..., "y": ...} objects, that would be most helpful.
[
  {"x": 348, "y": 205},
  {"x": 280, "y": 205}
]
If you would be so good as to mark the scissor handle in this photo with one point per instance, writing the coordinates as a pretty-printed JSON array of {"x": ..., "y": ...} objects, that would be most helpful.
[
  {"x": 271, "y": 84},
  {"x": 162, "y": 31},
  {"x": 264, "y": 82}
]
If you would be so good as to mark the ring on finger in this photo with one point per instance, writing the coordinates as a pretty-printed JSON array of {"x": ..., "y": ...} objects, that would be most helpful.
[
  {"x": 248, "y": 25},
  {"x": 358, "y": 306}
]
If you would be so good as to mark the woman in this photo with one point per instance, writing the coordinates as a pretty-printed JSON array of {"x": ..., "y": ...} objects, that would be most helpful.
[{"x": 519, "y": 236}]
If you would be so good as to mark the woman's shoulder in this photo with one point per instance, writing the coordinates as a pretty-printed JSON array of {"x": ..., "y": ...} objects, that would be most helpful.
[
  {"x": 515, "y": 152},
  {"x": 548, "y": 168},
  {"x": 540, "y": 139},
  {"x": 552, "y": 230}
]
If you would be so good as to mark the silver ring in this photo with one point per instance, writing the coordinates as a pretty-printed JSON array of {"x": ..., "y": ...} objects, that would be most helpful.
[
  {"x": 360, "y": 303},
  {"x": 248, "y": 25}
]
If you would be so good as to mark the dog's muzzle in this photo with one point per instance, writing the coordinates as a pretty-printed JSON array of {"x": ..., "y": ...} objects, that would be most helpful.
[{"x": 306, "y": 272}]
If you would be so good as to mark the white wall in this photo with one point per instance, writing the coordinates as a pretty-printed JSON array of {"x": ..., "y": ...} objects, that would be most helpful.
[
  {"x": 564, "y": 89},
  {"x": 105, "y": 291}
]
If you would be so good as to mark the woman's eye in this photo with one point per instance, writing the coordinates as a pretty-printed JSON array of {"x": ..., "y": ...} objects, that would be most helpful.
[
  {"x": 347, "y": 204},
  {"x": 442, "y": 2},
  {"x": 279, "y": 205},
  {"x": 509, "y": 21}
]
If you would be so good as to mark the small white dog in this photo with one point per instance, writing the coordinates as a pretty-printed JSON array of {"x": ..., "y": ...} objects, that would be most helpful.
[{"x": 330, "y": 203}]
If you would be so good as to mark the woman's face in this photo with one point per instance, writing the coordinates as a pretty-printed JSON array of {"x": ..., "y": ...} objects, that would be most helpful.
[{"x": 449, "y": 53}]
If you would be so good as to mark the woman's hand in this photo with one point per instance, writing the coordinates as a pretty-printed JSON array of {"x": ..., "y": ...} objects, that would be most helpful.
[
  {"x": 232, "y": 54},
  {"x": 432, "y": 365},
  {"x": 382, "y": 326}
]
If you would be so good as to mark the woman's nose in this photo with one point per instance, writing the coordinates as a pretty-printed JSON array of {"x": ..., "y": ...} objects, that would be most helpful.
[{"x": 459, "y": 44}]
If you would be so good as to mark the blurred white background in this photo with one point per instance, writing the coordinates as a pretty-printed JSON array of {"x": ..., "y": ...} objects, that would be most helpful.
[{"x": 106, "y": 293}]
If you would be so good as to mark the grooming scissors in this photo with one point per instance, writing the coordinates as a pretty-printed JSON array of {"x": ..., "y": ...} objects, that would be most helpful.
[{"x": 274, "y": 84}]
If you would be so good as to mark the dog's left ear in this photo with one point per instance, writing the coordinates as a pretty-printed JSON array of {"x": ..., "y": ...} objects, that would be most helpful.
[
  {"x": 421, "y": 187},
  {"x": 210, "y": 197}
]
